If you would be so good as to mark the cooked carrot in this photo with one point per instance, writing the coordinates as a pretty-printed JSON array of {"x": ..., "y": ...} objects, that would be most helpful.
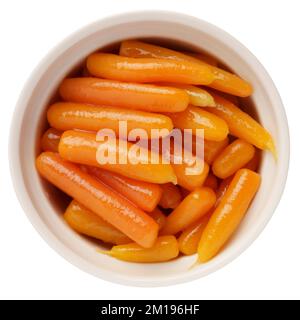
[
  {"x": 164, "y": 249},
  {"x": 89, "y": 223},
  {"x": 190, "y": 237},
  {"x": 159, "y": 217},
  {"x": 242, "y": 125},
  {"x": 124, "y": 95},
  {"x": 82, "y": 147},
  {"x": 223, "y": 80},
  {"x": 69, "y": 115},
  {"x": 171, "y": 196},
  {"x": 143, "y": 194},
  {"x": 235, "y": 156},
  {"x": 212, "y": 149},
  {"x": 50, "y": 140},
  {"x": 147, "y": 70},
  {"x": 228, "y": 214},
  {"x": 254, "y": 162},
  {"x": 198, "y": 96},
  {"x": 215, "y": 128},
  {"x": 98, "y": 198},
  {"x": 203, "y": 57},
  {"x": 192, "y": 208},
  {"x": 211, "y": 182}
]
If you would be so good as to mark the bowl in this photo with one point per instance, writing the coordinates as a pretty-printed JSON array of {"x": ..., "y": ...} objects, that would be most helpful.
[{"x": 44, "y": 205}]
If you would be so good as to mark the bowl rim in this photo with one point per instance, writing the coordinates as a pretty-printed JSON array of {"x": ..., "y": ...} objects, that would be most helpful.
[{"x": 15, "y": 163}]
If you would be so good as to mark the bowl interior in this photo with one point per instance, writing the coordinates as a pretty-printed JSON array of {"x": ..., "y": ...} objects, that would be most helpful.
[{"x": 47, "y": 204}]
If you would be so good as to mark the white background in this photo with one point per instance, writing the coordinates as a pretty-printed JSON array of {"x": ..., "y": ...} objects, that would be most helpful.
[{"x": 270, "y": 268}]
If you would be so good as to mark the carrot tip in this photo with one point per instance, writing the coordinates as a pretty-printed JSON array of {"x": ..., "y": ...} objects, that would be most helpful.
[
  {"x": 195, "y": 264},
  {"x": 106, "y": 252}
]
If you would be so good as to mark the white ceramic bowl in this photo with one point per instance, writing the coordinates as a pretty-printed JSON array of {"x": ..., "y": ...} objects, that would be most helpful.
[{"x": 40, "y": 201}]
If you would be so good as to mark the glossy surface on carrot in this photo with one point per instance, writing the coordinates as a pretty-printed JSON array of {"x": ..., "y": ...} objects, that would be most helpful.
[
  {"x": 98, "y": 198},
  {"x": 190, "y": 237},
  {"x": 82, "y": 147},
  {"x": 242, "y": 125},
  {"x": 253, "y": 164},
  {"x": 143, "y": 194},
  {"x": 124, "y": 95},
  {"x": 215, "y": 128},
  {"x": 223, "y": 80},
  {"x": 50, "y": 140},
  {"x": 203, "y": 57},
  {"x": 147, "y": 70},
  {"x": 198, "y": 96},
  {"x": 192, "y": 208},
  {"x": 233, "y": 157},
  {"x": 88, "y": 223},
  {"x": 171, "y": 196},
  {"x": 228, "y": 214},
  {"x": 69, "y": 115},
  {"x": 164, "y": 249}
]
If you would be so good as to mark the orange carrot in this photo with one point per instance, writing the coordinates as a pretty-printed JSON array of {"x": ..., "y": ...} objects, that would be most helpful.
[
  {"x": 69, "y": 115},
  {"x": 124, "y": 95},
  {"x": 192, "y": 208},
  {"x": 89, "y": 223},
  {"x": 228, "y": 214},
  {"x": 143, "y": 194},
  {"x": 147, "y": 70},
  {"x": 159, "y": 217},
  {"x": 50, "y": 140},
  {"x": 171, "y": 196},
  {"x": 94, "y": 195},
  {"x": 211, "y": 182},
  {"x": 82, "y": 147}
]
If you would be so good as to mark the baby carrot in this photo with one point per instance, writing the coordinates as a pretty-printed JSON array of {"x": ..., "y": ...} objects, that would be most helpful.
[
  {"x": 50, "y": 140},
  {"x": 88, "y": 223},
  {"x": 198, "y": 96},
  {"x": 215, "y": 128},
  {"x": 98, "y": 198},
  {"x": 69, "y": 115},
  {"x": 147, "y": 70},
  {"x": 190, "y": 237},
  {"x": 228, "y": 214},
  {"x": 82, "y": 147},
  {"x": 223, "y": 80},
  {"x": 233, "y": 157},
  {"x": 211, "y": 182},
  {"x": 171, "y": 196},
  {"x": 192, "y": 208},
  {"x": 143, "y": 194},
  {"x": 242, "y": 125},
  {"x": 164, "y": 249},
  {"x": 124, "y": 95},
  {"x": 158, "y": 217},
  {"x": 203, "y": 57},
  {"x": 254, "y": 162}
]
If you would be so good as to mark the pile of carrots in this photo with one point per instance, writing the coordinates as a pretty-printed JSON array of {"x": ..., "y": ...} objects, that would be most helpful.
[{"x": 153, "y": 212}]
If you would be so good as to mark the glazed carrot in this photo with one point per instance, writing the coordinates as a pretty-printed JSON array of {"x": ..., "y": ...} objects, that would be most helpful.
[
  {"x": 211, "y": 148},
  {"x": 211, "y": 182},
  {"x": 254, "y": 162},
  {"x": 164, "y": 249},
  {"x": 223, "y": 80},
  {"x": 190, "y": 237},
  {"x": 198, "y": 96},
  {"x": 143, "y": 194},
  {"x": 98, "y": 198},
  {"x": 69, "y": 115},
  {"x": 88, "y": 223},
  {"x": 192, "y": 208},
  {"x": 215, "y": 128},
  {"x": 222, "y": 189},
  {"x": 242, "y": 125},
  {"x": 124, "y": 95},
  {"x": 190, "y": 171},
  {"x": 235, "y": 156},
  {"x": 147, "y": 70},
  {"x": 82, "y": 147},
  {"x": 50, "y": 140},
  {"x": 228, "y": 214},
  {"x": 171, "y": 196},
  {"x": 203, "y": 57},
  {"x": 159, "y": 217}
]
